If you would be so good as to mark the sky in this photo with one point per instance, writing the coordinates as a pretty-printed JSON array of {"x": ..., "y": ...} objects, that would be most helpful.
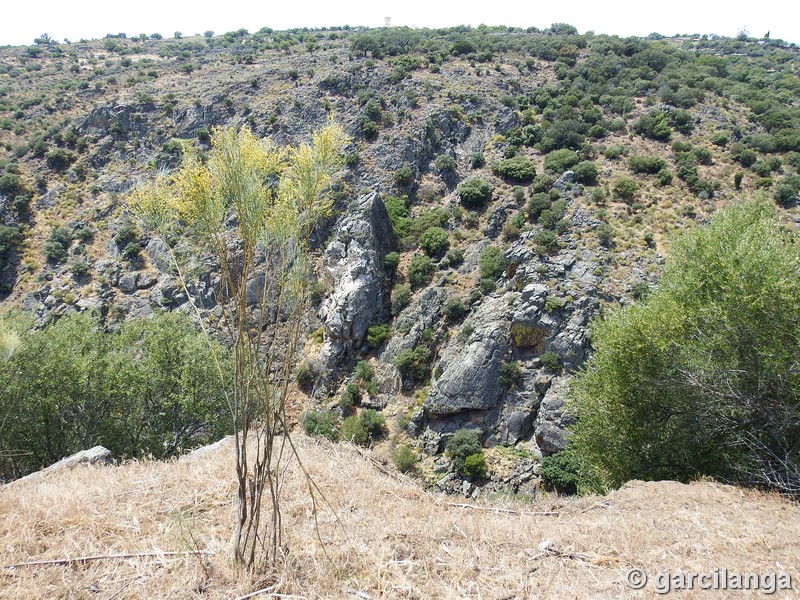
[{"x": 22, "y": 21}]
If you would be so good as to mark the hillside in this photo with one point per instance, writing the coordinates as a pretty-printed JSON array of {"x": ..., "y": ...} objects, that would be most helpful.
[
  {"x": 388, "y": 539},
  {"x": 501, "y": 188}
]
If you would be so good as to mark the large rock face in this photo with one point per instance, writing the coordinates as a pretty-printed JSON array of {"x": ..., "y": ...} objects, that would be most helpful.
[
  {"x": 470, "y": 377},
  {"x": 353, "y": 268}
]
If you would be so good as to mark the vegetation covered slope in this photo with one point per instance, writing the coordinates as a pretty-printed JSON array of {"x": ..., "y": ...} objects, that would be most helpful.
[{"x": 492, "y": 148}]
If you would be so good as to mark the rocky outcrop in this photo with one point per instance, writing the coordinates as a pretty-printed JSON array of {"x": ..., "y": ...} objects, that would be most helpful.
[
  {"x": 352, "y": 268},
  {"x": 552, "y": 420},
  {"x": 470, "y": 378},
  {"x": 93, "y": 456},
  {"x": 422, "y": 314}
]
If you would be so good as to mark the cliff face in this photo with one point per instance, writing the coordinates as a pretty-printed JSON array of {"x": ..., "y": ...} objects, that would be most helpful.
[{"x": 594, "y": 151}]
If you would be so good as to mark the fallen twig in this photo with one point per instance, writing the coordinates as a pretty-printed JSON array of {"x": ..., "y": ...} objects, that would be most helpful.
[
  {"x": 85, "y": 559},
  {"x": 508, "y": 511}
]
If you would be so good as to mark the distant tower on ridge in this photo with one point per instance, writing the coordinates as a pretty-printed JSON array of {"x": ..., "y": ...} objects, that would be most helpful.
[{"x": 387, "y": 21}]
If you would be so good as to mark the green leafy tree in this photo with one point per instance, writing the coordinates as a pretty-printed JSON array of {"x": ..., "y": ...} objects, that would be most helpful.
[
  {"x": 151, "y": 388},
  {"x": 701, "y": 378}
]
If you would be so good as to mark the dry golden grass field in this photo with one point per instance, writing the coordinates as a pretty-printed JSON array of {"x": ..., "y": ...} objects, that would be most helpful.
[{"x": 391, "y": 540}]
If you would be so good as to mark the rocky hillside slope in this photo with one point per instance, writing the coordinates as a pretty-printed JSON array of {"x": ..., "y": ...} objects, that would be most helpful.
[{"x": 557, "y": 165}]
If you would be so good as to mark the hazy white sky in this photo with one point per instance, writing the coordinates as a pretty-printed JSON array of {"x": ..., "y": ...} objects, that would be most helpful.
[{"x": 21, "y": 21}]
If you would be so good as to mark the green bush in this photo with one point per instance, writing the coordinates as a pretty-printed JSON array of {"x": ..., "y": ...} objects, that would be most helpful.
[
  {"x": 510, "y": 373},
  {"x": 477, "y": 160},
  {"x": 125, "y": 235},
  {"x": 404, "y": 459},
  {"x": 664, "y": 177},
  {"x": 434, "y": 241},
  {"x": 625, "y": 189},
  {"x": 613, "y": 152},
  {"x": 414, "y": 363},
  {"x": 10, "y": 184},
  {"x": 475, "y": 193},
  {"x": 545, "y": 241},
  {"x": 59, "y": 159},
  {"x": 475, "y": 466},
  {"x": 586, "y": 172},
  {"x": 551, "y": 361},
  {"x": 561, "y": 160},
  {"x": 79, "y": 268},
  {"x": 646, "y": 164},
  {"x": 350, "y": 397},
  {"x": 700, "y": 379},
  {"x": 536, "y": 205},
  {"x": 454, "y": 257},
  {"x": 518, "y": 169},
  {"x": 462, "y": 444},
  {"x": 454, "y": 308},
  {"x": 445, "y": 163},
  {"x": 305, "y": 376},
  {"x": 373, "y": 422},
  {"x": 151, "y": 388},
  {"x": 401, "y": 296},
  {"x": 491, "y": 263},
  {"x": 542, "y": 183},
  {"x": 390, "y": 261},
  {"x": 368, "y": 129},
  {"x": 561, "y": 472},
  {"x": 420, "y": 270},
  {"x": 404, "y": 176},
  {"x": 320, "y": 423},
  {"x": 377, "y": 335},
  {"x": 655, "y": 125},
  {"x": 351, "y": 430}
]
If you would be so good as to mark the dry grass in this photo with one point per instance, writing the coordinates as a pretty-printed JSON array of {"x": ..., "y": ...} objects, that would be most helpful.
[{"x": 394, "y": 540}]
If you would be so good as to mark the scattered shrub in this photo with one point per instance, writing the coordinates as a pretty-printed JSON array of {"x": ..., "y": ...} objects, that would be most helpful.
[
  {"x": 434, "y": 241},
  {"x": 561, "y": 473},
  {"x": 420, "y": 270},
  {"x": 305, "y": 376},
  {"x": 401, "y": 296},
  {"x": 404, "y": 459},
  {"x": 320, "y": 423},
  {"x": 475, "y": 193},
  {"x": 646, "y": 164},
  {"x": 518, "y": 168},
  {"x": 586, "y": 172},
  {"x": 561, "y": 160},
  {"x": 390, "y": 262},
  {"x": 404, "y": 176},
  {"x": 625, "y": 189},
  {"x": 414, "y": 363},
  {"x": 445, "y": 163},
  {"x": 510, "y": 373},
  {"x": 462, "y": 444},
  {"x": 377, "y": 335},
  {"x": 551, "y": 361},
  {"x": 475, "y": 466},
  {"x": 491, "y": 263},
  {"x": 454, "y": 308}
]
